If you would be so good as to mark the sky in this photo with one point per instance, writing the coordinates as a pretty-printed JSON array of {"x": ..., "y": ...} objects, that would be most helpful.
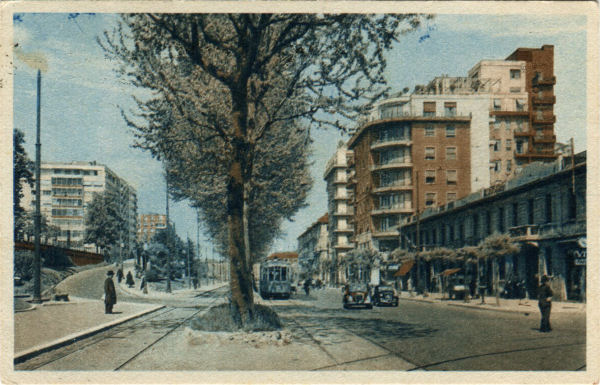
[{"x": 82, "y": 95}]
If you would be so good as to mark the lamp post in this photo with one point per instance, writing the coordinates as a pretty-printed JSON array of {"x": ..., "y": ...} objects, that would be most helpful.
[
  {"x": 37, "y": 266},
  {"x": 168, "y": 235}
]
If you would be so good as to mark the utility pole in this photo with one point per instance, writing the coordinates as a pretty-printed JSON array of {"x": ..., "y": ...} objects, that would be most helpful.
[
  {"x": 37, "y": 265},
  {"x": 168, "y": 235},
  {"x": 187, "y": 254},
  {"x": 198, "y": 269}
]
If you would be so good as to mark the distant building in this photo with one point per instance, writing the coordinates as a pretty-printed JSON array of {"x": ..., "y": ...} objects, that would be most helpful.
[
  {"x": 543, "y": 208},
  {"x": 314, "y": 259},
  {"x": 340, "y": 209},
  {"x": 67, "y": 190},
  {"x": 149, "y": 224}
]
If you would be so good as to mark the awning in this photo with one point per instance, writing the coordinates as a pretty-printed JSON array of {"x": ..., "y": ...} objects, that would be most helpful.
[
  {"x": 448, "y": 272},
  {"x": 405, "y": 268}
]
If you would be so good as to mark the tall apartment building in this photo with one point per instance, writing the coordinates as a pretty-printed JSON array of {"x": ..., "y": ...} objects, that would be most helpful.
[
  {"x": 68, "y": 189},
  {"x": 313, "y": 251},
  {"x": 415, "y": 152},
  {"x": 521, "y": 97},
  {"x": 340, "y": 209},
  {"x": 149, "y": 224}
]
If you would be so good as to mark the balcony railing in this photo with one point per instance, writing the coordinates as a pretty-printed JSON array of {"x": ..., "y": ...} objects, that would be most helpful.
[
  {"x": 391, "y": 165},
  {"x": 390, "y": 188},
  {"x": 538, "y": 80},
  {"x": 390, "y": 143},
  {"x": 392, "y": 210},
  {"x": 544, "y": 100},
  {"x": 525, "y": 232},
  {"x": 544, "y": 119}
]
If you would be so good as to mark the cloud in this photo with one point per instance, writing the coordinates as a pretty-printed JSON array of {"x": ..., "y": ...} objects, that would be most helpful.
[
  {"x": 21, "y": 34},
  {"x": 512, "y": 25}
]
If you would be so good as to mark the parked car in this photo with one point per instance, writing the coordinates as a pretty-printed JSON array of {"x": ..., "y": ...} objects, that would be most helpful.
[
  {"x": 457, "y": 288},
  {"x": 385, "y": 295},
  {"x": 357, "y": 295}
]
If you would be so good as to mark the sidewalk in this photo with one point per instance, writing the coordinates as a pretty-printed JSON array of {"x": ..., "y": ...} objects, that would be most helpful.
[
  {"x": 56, "y": 323},
  {"x": 507, "y": 305}
]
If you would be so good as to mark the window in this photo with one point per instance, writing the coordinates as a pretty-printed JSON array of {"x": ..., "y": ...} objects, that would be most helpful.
[
  {"x": 429, "y": 153},
  {"x": 450, "y": 131},
  {"x": 475, "y": 226},
  {"x": 497, "y": 144},
  {"x": 497, "y": 123},
  {"x": 429, "y": 176},
  {"x": 520, "y": 105},
  {"x": 572, "y": 205},
  {"x": 450, "y": 109},
  {"x": 548, "y": 208},
  {"x": 519, "y": 147},
  {"x": 46, "y": 192},
  {"x": 497, "y": 104},
  {"x": 530, "y": 211},
  {"x": 515, "y": 74},
  {"x": 508, "y": 144},
  {"x": 548, "y": 258},
  {"x": 430, "y": 199},
  {"x": 500, "y": 219},
  {"x": 450, "y": 153},
  {"x": 451, "y": 196},
  {"x": 509, "y": 165},
  {"x": 428, "y": 108},
  {"x": 429, "y": 130},
  {"x": 496, "y": 165},
  {"x": 488, "y": 223},
  {"x": 515, "y": 214},
  {"x": 451, "y": 177},
  {"x": 515, "y": 90}
]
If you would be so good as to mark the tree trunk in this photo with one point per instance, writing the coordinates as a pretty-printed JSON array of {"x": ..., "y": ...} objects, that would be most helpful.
[{"x": 242, "y": 296}]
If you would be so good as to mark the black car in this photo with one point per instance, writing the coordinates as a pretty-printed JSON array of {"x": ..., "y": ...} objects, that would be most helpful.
[{"x": 385, "y": 296}]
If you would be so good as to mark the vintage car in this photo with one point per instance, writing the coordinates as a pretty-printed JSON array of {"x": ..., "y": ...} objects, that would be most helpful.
[
  {"x": 385, "y": 295},
  {"x": 357, "y": 295},
  {"x": 457, "y": 289}
]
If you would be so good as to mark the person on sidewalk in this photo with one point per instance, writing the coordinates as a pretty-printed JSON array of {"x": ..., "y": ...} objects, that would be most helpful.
[
  {"x": 545, "y": 303},
  {"x": 110, "y": 294}
]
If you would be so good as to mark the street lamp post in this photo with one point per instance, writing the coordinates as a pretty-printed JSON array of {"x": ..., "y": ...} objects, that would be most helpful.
[
  {"x": 37, "y": 266},
  {"x": 168, "y": 235}
]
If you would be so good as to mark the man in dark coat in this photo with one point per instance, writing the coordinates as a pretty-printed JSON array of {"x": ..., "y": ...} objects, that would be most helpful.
[
  {"x": 545, "y": 303},
  {"x": 110, "y": 294}
]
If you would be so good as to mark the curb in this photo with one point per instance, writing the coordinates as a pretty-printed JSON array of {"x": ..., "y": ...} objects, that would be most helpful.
[
  {"x": 74, "y": 337},
  {"x": 532, "y": 309}
]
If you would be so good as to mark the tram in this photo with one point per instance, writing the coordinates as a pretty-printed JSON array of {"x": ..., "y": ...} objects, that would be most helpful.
[{"x": 276, "y": 279}]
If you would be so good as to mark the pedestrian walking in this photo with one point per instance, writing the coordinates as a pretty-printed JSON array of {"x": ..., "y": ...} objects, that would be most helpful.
[
  {"x": 307, "y": 287},
  {"x": 110, "y": 294},
  {"x": 119, "y": 275},
  {"x": 129, "y": 280},
  {"x": 545, "y": 303}
]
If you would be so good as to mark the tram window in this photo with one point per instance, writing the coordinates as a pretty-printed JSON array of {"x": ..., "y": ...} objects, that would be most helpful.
[
  {"x": 271, "y": 275},
  {"x": 283, "y": 273}
]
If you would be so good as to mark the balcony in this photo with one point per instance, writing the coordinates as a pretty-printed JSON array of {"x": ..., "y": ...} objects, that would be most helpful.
[
  {"x": 544, "y": 100},
  {"x": 538, "y": 80},
  {"x": 509, "y": 113},
  {"x": 385, "y": 189},
  {"x": 344, "y": 213},
  {"x": 340, "y": 181},
  {"x": 347, "y": 230},
  {"x": 525, "y": 232},
  {"x": 545, "y": 138},
  {"x": 341, "y": 197},
  {"x": 544, "y": 119},
  {"x": 389, "y": 233},
  {"x": 524, "y": 133},
  {"x": 378, "y": 144},
  {"x": 343, "y": 247},
  {"x": 392, "y": 210},
  {"x": 392, "y": 165}
]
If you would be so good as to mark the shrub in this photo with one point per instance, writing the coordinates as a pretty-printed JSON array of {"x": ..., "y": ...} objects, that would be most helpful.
[{"x": 23, "y": 263}]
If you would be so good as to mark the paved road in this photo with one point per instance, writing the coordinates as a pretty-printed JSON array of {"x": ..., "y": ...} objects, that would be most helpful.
[
  {"x": 414, "y": 336},
  {"x": 441, "y": 337}
]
